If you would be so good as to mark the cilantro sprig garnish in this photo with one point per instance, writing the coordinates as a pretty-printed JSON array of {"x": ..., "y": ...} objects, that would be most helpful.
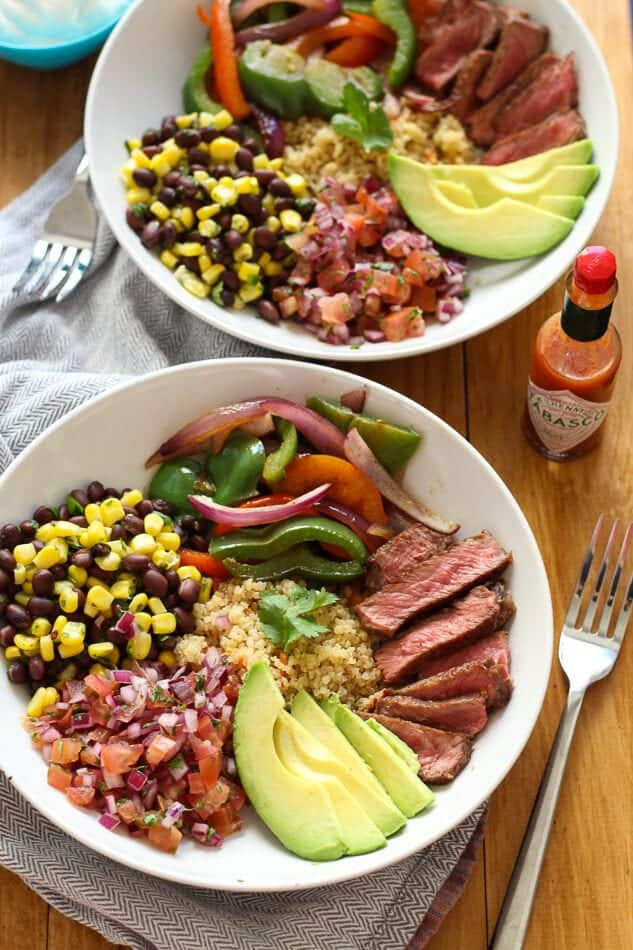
[
  {"x": 285, "y": 619},
  {"x": 364, "y": 121}
]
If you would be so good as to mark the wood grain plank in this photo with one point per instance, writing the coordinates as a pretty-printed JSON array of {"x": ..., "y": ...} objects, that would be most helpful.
[
  {"x": 67, "y": 934},
  {"x": 465, "y": 925},
  {"x": 23, "y": 915}
]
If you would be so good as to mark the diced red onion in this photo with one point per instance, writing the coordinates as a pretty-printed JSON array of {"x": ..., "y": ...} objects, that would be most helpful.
[
  {"x": 212, "y": 658},
  {"x": 150, "y": 793},
  {"x": 222, "y": 622},
  {"x": 112, "y": 780},
  {"x": 51, "y": 734},
  {"x": 266, "y": 514},
  {"x": 123, "y": 676},
  {"x": 216, "y": 840},
  {"x": 136, "y": 780},
  {"x": 134, "y": 730},
  {"x": 47, "y": 752},
  {"x": 229, "y": 765},
  {"x": 360, "y": 455},
  {"x": 109, "y": 821},
  {"x": 168, "y": 721},
  {"x": 200, "y": 828},
  {"x": 173, "y": 814},
  {"x": 226, "y": 712},
  {"x": 177, "y": 772},
  {"x": 220, "y": 699},
  {"x": 128, "y": 694},
  {"x": 191, "y": 720},
  {"x": 110, "y": 803}
]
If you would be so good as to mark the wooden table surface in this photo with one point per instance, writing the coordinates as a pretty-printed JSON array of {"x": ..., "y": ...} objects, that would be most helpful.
[{"x": 585, "y": 899}]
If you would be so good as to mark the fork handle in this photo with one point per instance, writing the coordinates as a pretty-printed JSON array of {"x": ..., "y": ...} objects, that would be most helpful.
[{"x": 517, "y": 906}]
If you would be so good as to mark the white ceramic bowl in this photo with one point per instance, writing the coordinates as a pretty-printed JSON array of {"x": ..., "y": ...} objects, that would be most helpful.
[
  {"x": 110, "y": 437},
  {"x": 138, "y": 79}
]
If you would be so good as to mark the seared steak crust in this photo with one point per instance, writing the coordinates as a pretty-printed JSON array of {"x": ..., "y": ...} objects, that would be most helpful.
[
  {"x": 466, "y": 714},
  {"x": 399, "y": 556},
  {"x": 442, "y": 754}
]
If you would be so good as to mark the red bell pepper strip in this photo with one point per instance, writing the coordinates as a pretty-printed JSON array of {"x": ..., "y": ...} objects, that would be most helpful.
[
  {"x": 355, "y": 51},
  {"x": 225, "y": 71},
  {"x": 359, "y": 26},
  {"x": 206, "y": 563}
]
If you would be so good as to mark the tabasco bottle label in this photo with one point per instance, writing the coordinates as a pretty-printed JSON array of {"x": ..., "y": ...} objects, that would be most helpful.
[{"x": 561, "y": 419}]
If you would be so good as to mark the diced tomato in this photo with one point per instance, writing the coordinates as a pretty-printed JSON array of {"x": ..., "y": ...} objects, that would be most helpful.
[
  {"x": 119, "y": 757},
  {"x": 225, "y": 821},
  {"x": 425, "y": 298},
  {"x": 167, "y": 839},
  {"x": 59, "y": 777},
  {"x": 196, "y": 783},
  {"x": 384, "y": 283},
  {"x": 100, "y": 684},
  {"x": 207, "y": 564},
  {"x": 127, "y": 811},
  {"x": 415, "y": 268},
  {"x": 331, "y": 278},
  {"x": 217, "y": 730},
  {"x": 399, "y": 324},
  {"x": 160, "y": 748},
  {"x": 237, "y": 795},
  {"x": 88, "y": 756},
  {"x": 65, "y": 751},
  {"x": 202, "y": 747},
  {"x": 335, "y": 309},
  {"x": 210, "y": 768},
  {"x": 82, "y": 796},
  {"x": 212, "y": 799}
]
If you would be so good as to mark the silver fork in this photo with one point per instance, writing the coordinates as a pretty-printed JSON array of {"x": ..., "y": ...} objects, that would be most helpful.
[
  {"x": 586, "y": 657},
  {"x": 63, "y": 254}
]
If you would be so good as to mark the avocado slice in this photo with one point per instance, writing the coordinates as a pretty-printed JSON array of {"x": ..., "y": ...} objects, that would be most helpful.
[
  {"x": 457, "y": 193},
  {"x": 297, "y": 810},
  {"x": 406, "y": 753},
  {"x": 326, "y": 82},
  {"x": 506, "y": 230},
  {"x": 306, "y": 758},
  {"x": 348, "y": 765},
  {"x": 534, "y": 166},
  {"x": 404, "y": 788},
  {"x": 488, "y": 186},
  {"x": 569, "y": 206}
]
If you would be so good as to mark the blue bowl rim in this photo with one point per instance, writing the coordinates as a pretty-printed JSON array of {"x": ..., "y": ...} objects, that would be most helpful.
[{"x": 68, "y": 44}]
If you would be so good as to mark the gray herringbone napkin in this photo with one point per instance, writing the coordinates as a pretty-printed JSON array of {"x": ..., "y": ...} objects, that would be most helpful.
[{"x": 51, "y": 359}]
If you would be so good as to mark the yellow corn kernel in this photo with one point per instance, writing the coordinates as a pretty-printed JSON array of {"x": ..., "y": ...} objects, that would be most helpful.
[
  {"x": 47, "y": 557},
  {"x": 24, "y": 553},
  {"x": 47, "y": 648},
  {"x": 261, "y": 161},
  {"x": 268, "y": 204},
  {"x": 205, "y": 119},
  {"x": 248, "y": 185},
  {"x": 143, "y": 544},
  {"x": 119, "y": 547},
  {"x": 59, "y": 623},
  {"x": 138, "y": 602},
  {"x": 185, "y": 121},
  {"x": 78, "y": 575},
  {"x": 192, "y": 284},
  {"x": 153, "y": 524},
  {"x": 188, "y": 249},
  {"x": 160, "y": 164},
  {"x": 247, "y": 271},
  {"x": 273, "y": 223},
  {"x": 204, "y": 262},
  {"x": 207, "y": 211},
  {"x": 41, "y": 627},
  {"x": 163, "y": 624},
  {"x": 97, "y": 668},
  {"x": 35, "y": 707},
  {"x": 94, "y": 582},
  {"x": 60, "y": 586},
  {"x": 168, "y": 657},
  {"x": 240, "y": 223},
  {"x": 224, "y": 194},
  {"x": 172, "y": 154},
  {"x": 69, "y": 600},
  {"x": 68, "y": 673},
  {"x": 70, "y": 649},
  {"x": 57, "y": 529},
  {"x": 95, "y": 534},
  {"x": 276, "y": 164},
  {"x": 156, "y": 605},
  {"x": 98, "y": 599},
  {"x": 143, "y": 620},
  {"x": 12, "y": 653},
  {"x": 243, "y": 253},
  {"x": 159, "y": 210},
  {"x": 223, "y": 149},
  {"x": 291, "y": 220},
  {"x": 26, "y": 644},
  {"x": 199, "y": 175},
  {"x": 140, "y": 645},
  {"x": 27, "y": 586},
  {"x": 168, "y": 259},
  {"x": 132, "y": 497},
  {"x": 250, "y": 292},
  {"x": 273, "y": 269},
  {"x": 98, "y": 650},
  {"x": 238, "y": 304},
  {"x": 212, "y": 274},
  {"x": 187, "y": 572},
  {"x": 122, "y": 589},
  {"x": 264, "y": 259},
  {"x": 206, "y": 589},
  {"x": 109, "y": 562},
  {"x": 115, "y": 656},
  {"x": 141, "y": 160},
  {"x": 22, "y": 598},
  {"x": 169, "y": 540},
  {"x": 187, "y": 218},
  {"x": 111, "y": 511},
  {"x": 168, "y": 560},
  {"x": 61, "y": 546},
  {"x": 221, "y": 120},
  {"x": 209, "y": 229},
  {"x": 137, "y": 195},
  {"x": 52, "y": 697},
  {"x": 297, "y": 185},
  {"x": 127, "y": 171},
  {"x": 19, "y": 573}
]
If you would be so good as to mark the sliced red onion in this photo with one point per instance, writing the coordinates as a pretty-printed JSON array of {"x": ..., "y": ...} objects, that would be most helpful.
[
  {"x": 355, "y": 400},
  {"x": 293, "y": 26},
  {"x": 109, "y": 821},
  {"x": 191, "y": 720},
  {"x": 247, "y": 7},
  {"x": 320, "y": 432},
  {"x": 360, "y": 455},
  {"x": 122, "y": 676},
  {"x": 359, "y": 525},
  {"x": 222, "y": 623},
  {"x": 136, "y": 780},
  {"x": 110, "y": 803},
  {"x": 266, "y": 514},
  {"x": 271, "y": 130}
]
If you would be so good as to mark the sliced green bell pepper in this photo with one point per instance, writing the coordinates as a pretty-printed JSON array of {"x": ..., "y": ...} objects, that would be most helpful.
[
  {"x": 259, "y": 544},
  {"x": 272, "y": 75},
  {"x": 395, "y": 14},
  {"x": 275, "y": 465},
  {"x": 237, "y": 468},
  {"x": 195, "y": 97},
  {"x": 299, "y": 561},
  {"x": 177, "y": 479}
]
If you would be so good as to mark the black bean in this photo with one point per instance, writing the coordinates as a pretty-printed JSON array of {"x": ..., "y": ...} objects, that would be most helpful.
[
  {"x": 58, "y": 571},
  {"x": 7, "y": 634},
  {"x": 95, "y": 491},
  {"x": 244, "y": 159},
  {"x": 150, "y": 235},
  {"x": 252, "y": 145},
  {"x": 79, "y": 520},
  {"x": 230, "y": 280},
  {"x": 18, "y": 617},
  {"x": 153, "y": 653},
  {"x": 82, "y": 558},
  {"x": 84, "y": 660},
  {"x": 106, "y": 576},
  {"x": 155, "y": 583},
  {"x": 208, "y": 134},
  {"x": 227, "y": 297},
  {"x": 280, "y": 188},
  {"x": 187, "y": 186},
  {"x": 191, "y": 263},
  {"x": 163, "y": 507},
  {"x": 133, "y": 524},
  {"x": 168, "y": 643},
  {"x": 118, "y": 532},
  {"x": 41, "y": 606},
  {"x": 134, "y": 220},
  {"x": 234, "y": 132},
  {"x": 199, "y": 543},
  {"x": 305, "y": 207},
  {"x": 43, "y": 514},
  {"x": 172, "y": 580},
  {"x": 145, "y": 507},
  {"x": 264, "y": 176},
  {"x": 233, "y": 239},
  {"x": 189, "y": 591},
  {"x": 225, "y": 219},
  {"x": 100, "y": 550},
  {"x": 214, "y": 248},
  {"x": 114, "y": 635},
  {"x": 268, "y": 311},
  {"x": 5, "y": 600},
  {"x": 251, "y": 205},
  {"x": 168, "y": 234},
  {"x": 151, "y": 150},
  {"x": 43, "y": 582},
  {"x": 284, "y": 204},
  {"x": 111, "y": 493},
  {"x": 197, "y": 526},
  {"x": 64, "y": 513},
  {"x": 198, "y": 168},
  {"x": 195, "y": 204},
  {"x": 7, "y": 561},
  {"x": 241, "y": 174},
  {"x": 10, "y": 536},
  {"x": 136, "y": 563},
  {"x": 81, "y": 496},
  {"x": 167, "y": 196},
  {"x": 185, "y": 620},
  {"x": 151, "y": 137},
  {"x": 278, "y": 253},
  {"x": 265, "y": 238},
  {"x": 200, "y": 158},
  {"x": 28, "y": 529},
  {"x": 222, "y": 171},
  {"x": 187, "y": 138},
  {"x": 5, "y": 580},
  {"x": 37, "y": 670},
  {"x": 168, "y": 127},
  {"x": 172, "y": 179},
  {"x": 144, "y": 177},
  {"x": 17, "y": 672}
]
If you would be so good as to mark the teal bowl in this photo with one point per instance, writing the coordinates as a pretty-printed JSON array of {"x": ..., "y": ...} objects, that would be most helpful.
[{"x": 56, "y": 55}]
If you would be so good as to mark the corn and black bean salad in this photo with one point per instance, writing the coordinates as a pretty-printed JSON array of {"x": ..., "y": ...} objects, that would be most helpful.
[
  {"x": 216, "y": 207},
  {"x": 98, "y": 583}
]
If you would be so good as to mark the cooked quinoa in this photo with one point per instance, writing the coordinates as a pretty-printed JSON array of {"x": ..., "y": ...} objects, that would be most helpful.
[
  {"x": 339, "y": 661},
  {"x": 314, "y": 150}
]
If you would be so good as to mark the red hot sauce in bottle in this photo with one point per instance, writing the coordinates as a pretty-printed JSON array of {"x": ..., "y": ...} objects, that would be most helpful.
[{"x": 576, "y": 358}]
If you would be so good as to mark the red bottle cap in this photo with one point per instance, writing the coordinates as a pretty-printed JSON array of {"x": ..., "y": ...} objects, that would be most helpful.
[{"x": 595, "y": 270}]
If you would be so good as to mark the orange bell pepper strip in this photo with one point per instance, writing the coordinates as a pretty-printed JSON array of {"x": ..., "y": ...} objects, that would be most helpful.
[
  {"x": 350, "y": 487},
  {"x": 335, "y": 33},
  {"x": 373, "y": 27},
  {"x": 208, "y": 565},
  {"x": 421, "y": 10},
  {"x": 355, "y": 51},
  {"x": 225, "y": 72}
]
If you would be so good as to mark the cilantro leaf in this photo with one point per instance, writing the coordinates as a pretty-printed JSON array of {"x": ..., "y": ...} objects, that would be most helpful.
[
  {"x": 364, "y": 121},
  {"x": 285, "y": 619}
]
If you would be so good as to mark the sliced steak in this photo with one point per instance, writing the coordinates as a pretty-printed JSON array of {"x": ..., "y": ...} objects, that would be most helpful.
[
  {"x": 479, "y": 613},
  {"x": 398, "y": 557},
  {"x": 463, "y": 100},
  {"x": 433, "y": 583},
  {"x": 482, "y": 123},
  {"x": 440, "y": 62},
  {"x": 442, "y": 754},
  {"x": 494, "y": 647},
  {"x": 466, "y": 714},
  {"x": 484, "y": 677},
  {"x": 448, "y": 13},
  {"x": 562, "y": 128},
  {"x": 521, "y": 41},
  {"x": 555, "y": 90}
]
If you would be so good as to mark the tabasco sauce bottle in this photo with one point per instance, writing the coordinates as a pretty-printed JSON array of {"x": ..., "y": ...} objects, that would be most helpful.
[{"x": 576, "y": 358}]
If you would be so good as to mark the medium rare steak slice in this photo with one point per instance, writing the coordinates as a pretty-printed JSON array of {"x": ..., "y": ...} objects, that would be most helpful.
[
  {"x": 466, "y": 714},
  {"x": 481, "y": 124},
  {"x": 555, "y": 90},
  {"x": 398, "y": 557},
  {"x": 442, "y": 754},
  {"x": 479, "y": 613},
  {"x": 494, "y": 647},
  {"x": 433, "y": 583},
  {"x": 463, "y": 100},
  {"x": 521, "y": 41},
  {"x": 441, "y": 61},
  {"x": 562, "y": 128},
  {"x": 477, "y": 676},
  {"x": 448, "y": 13}
]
